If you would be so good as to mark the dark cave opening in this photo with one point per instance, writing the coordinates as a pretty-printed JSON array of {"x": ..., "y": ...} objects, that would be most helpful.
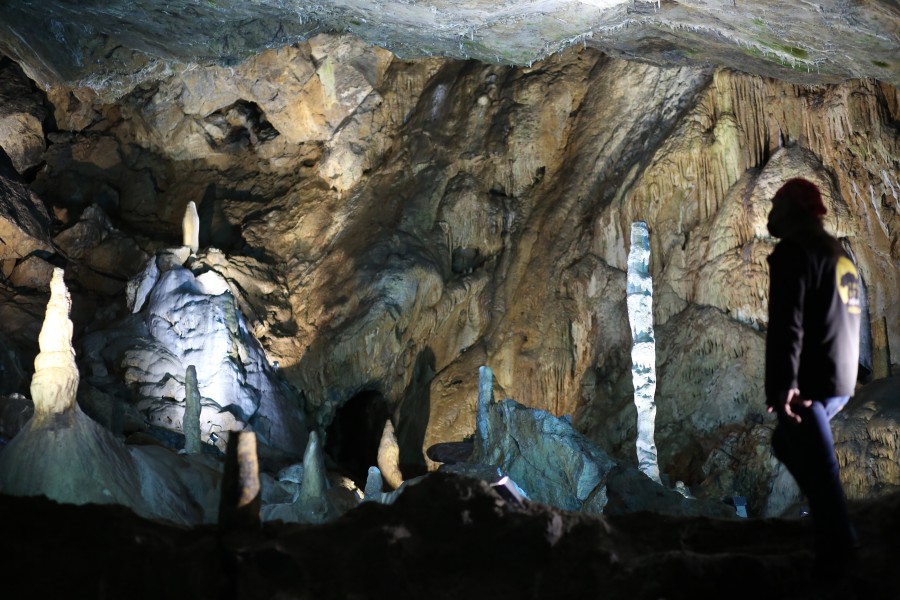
[{"x": 353, "y": 437}]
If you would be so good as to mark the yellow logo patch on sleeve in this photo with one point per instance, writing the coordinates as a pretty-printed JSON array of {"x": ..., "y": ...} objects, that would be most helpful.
[{"x": 848, "y": 285}]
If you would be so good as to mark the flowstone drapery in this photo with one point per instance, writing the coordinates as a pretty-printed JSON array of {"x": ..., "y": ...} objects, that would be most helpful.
[{"x": 639, "y": 291}]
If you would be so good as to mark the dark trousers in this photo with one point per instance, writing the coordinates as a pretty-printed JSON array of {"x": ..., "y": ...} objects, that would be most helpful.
[{"x": 807, "y": 450}]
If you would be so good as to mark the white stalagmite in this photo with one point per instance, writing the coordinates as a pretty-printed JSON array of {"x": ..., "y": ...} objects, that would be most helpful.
[
  {"x": 485, "y": 399},
  {"x": 190, "y": 227},
  {"x": 55, "y": 380},
  {"x": 389, "y": 456},
  {"x": 639, "y": 291}
]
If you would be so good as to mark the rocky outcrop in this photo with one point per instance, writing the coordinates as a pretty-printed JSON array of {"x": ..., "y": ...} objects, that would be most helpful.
[
  {"x": 190, "y": 319},
  {"x": 22, "y": 115},
  {"x": 867, "y": 440},
  {"x": 24, "y": 222}
]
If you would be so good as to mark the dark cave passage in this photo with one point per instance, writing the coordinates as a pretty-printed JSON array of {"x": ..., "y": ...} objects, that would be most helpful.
[{"x": 352, "y": 438}]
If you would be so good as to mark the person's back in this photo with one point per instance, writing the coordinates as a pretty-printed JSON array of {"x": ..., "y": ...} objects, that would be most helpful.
[
  {"x": 812, "y": 353},
  {"x": 829, "y": 354}
]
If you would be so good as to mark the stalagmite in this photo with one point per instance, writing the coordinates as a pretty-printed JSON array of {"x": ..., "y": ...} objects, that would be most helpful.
[
  {"x": 312, "y": 500},
  {"x": 190, "y": 424},
  {"x": 639, "y": 291},
  {"x": 55, "y": 380},
  {"x": 240, "y": 501},
  {"x": 374, "y": 485},
  {"x": 389, "y": 456},
  {"x": 190, "y": 227},
  {"x": 485, "y": 398}
]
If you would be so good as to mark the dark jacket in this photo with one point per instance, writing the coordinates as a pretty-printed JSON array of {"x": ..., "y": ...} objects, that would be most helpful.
[{"x": 814, "y": 309}]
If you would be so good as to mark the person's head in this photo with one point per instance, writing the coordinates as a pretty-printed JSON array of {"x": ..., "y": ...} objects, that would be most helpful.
[{"x": 796, "y": 204}]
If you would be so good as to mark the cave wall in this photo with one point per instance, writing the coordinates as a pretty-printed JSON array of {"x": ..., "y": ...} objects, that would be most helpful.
[{"x": 395, "y": 224}]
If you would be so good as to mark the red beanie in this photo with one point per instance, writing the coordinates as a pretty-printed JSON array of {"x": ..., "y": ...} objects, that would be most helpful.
[{"x": 802, "y": 194}]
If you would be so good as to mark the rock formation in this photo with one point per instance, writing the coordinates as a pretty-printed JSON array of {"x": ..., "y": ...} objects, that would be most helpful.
[
  {"x": 182, "y": 319},
  {"x": 438, "y": 215},
  {"x": 312, "y": 502},
  {"x": 22, "y": 113},
  {"x": 389, "y": 457},
  {"x": 240, "y": 501},
  {"x": 190, "y": 227},
  {"x": 55, "y": 380},
  {"x": 639, "y": 292},
  {"x": 61, "y": 453},
  {"x": 867, "y": 440},
  {"x": 190, "y": 423},
  {"x": 828, "y": 41}
]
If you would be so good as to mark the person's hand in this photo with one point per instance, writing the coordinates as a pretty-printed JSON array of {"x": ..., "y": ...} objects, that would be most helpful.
[{"x": 792, "y": 401}]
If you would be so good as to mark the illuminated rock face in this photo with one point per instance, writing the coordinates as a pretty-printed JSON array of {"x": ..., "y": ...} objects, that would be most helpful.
[{"x": 188, "y": 320}]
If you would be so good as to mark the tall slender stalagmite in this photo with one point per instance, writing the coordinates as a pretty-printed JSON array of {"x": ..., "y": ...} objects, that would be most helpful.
[
  {"x": 55, "y": 380},
  {"x": 639, "y": 291},
  {"x": 190, "y": 423}
]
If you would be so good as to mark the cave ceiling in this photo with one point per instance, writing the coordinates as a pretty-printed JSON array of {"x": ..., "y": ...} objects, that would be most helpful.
[{"x": 113, "y": 44}]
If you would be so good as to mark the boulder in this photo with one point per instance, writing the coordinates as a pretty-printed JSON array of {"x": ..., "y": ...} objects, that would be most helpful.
[
  {"x": 24, "y": 221},
  {"x": 32, "y": 272},
  {"x": 545, "y": 456},
  {"x": 22, "y": 116}
]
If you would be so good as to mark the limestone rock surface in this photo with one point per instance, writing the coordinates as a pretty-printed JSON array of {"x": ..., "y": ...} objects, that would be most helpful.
[
  {"x": 183, "y": 324},
  {"x": 24, "y": 222},
  {"x": 546, "y": 457},
  {"x": 113, "y": 49},
  {"x": 22, "y": 113},
  {"x": 867, "y": 440}
]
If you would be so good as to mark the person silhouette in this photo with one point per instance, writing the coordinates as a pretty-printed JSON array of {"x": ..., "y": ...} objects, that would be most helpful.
[{"x": 812, "y": 356}]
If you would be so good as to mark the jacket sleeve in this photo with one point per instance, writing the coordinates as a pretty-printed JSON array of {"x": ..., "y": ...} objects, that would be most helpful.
[{"x": 788, "y": 277}]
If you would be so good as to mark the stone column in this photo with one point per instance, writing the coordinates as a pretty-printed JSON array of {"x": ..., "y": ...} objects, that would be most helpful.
[{"x": 639, "y": 293}]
